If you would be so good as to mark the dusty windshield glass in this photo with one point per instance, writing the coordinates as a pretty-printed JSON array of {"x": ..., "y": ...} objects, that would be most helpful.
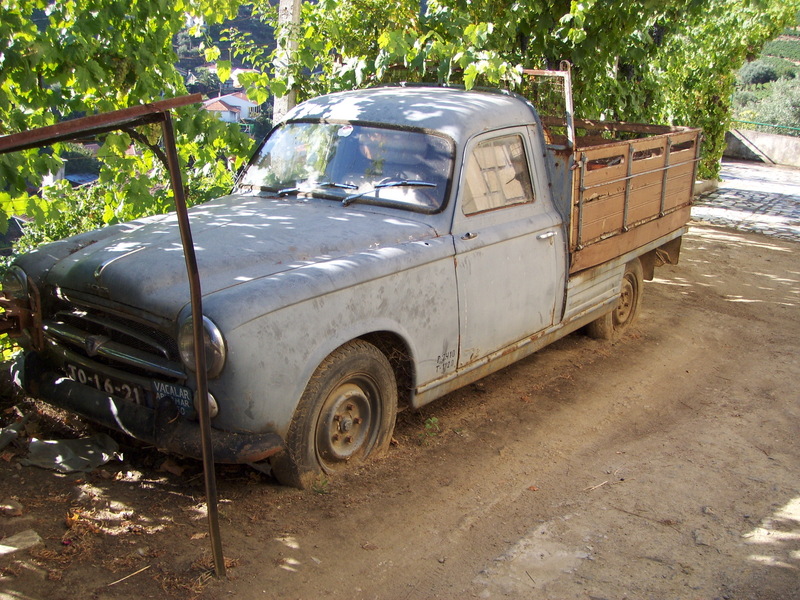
[{"x": 354, "y": 162}]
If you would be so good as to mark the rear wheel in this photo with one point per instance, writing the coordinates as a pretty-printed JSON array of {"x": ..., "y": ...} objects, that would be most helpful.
[
  {"x": 346, "y": 414},
  {"x": 611, "y": 325}
]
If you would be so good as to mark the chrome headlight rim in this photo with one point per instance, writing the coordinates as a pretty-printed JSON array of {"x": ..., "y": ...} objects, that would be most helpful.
[{"x": 216, "y": 352}]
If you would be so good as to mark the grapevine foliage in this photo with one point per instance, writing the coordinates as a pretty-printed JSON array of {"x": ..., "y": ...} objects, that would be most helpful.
[
  {"x": 664, "y": 61},
  {"x": 64, "y": 59}
]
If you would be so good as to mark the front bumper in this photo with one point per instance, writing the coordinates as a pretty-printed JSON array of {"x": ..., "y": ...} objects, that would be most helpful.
[{"x": 161, "y": 426}]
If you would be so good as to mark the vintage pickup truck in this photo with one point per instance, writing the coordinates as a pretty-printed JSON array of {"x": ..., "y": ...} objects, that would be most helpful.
[{"x": 383, "y": 248}]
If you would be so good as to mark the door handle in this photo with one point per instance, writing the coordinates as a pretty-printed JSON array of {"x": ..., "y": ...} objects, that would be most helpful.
[
  {"x": 470, "y": 235},
  {"x": 547, "y": 235}
]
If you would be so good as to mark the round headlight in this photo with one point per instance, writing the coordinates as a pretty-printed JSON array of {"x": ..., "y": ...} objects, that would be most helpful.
[
  {"x": 214, "y": 346},
  {"x": 15, "y": 283}
]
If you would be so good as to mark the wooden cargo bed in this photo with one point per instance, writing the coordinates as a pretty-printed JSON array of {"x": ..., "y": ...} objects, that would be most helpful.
[{"x": 630, "y": 184}]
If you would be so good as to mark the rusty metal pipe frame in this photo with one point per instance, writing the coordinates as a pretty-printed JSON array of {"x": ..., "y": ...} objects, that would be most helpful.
[
  {"x": 199, "y": 342},
  {"x": 565, "y": 73},
  {"x": 156, "y": 112}
]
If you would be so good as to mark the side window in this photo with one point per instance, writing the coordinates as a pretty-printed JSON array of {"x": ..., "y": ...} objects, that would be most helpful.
[{"x": 497, "y": 175}]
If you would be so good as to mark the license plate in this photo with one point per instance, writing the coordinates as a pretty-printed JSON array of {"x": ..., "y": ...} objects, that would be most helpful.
[
  {"x": 109, "y": 385},
  {"x": 181, "y": 396}
]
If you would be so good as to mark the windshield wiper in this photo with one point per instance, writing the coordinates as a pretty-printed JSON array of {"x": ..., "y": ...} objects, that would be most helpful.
[
  {"x": 386, "y": 184},
  {"x": 324, "y": 184}
]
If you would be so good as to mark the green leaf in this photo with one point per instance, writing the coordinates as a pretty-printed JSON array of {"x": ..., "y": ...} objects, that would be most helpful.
[
  {"x": 224, "y": 70},
  {"x": 470, "y": 73},
  {"x": 278, "y": 88},
  {"x": 211, "y": 54}
]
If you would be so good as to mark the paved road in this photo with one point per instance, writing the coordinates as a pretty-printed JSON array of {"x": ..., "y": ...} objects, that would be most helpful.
[{"x": 754, "y": 197}]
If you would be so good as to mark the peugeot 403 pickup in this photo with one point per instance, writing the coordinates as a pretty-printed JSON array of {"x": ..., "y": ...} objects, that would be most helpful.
[{"x": 382, "y": 248}]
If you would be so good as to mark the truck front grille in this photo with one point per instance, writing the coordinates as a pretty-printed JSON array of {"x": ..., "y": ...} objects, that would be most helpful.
[{"x": 111, "y": 341}]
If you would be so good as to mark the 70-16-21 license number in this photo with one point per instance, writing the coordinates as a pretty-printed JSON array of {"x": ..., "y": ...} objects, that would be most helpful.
[{"x": 105, "y": 384}]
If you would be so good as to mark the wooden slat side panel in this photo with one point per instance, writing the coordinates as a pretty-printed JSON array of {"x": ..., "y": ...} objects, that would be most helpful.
[
  {"x": 603, "y": 223},
  {"x": 637, "y": 237},
  {"x": 598, "y": 193},
  {"x": 645, "y": 203},
  {"x": 605, "y": 170},
  {"x": 654, "y": 175},
  {"x": 605, "y": 151},
  {"x": 691, "y": 135},
  {"x": 650, "y": 181},
  {"x": 649, "y": 155},
  {"x": 679, "y": 187},
  {"x": 602, "y": 217},
  {"x": 603, "y": 214}
]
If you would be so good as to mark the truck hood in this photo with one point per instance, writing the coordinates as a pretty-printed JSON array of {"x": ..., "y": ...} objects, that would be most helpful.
[{"x": 237, "y": 239}]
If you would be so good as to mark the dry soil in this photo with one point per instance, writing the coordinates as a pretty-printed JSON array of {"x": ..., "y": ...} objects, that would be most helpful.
[{"x": 665, "y": 465}]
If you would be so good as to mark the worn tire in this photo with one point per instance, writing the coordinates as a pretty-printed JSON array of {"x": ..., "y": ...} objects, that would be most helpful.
[
  {"x": 346, "y": 414},
  {"x": 611, "y": 325}
]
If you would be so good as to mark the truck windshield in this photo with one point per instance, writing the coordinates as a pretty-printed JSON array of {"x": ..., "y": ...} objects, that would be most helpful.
[{"x": 340, "y": 161}]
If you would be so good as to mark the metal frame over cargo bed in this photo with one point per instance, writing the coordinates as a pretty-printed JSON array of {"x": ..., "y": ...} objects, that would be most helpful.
[{"x": 627, "y": 183}]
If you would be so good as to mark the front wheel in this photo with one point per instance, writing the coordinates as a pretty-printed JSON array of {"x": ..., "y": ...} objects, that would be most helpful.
[
  {"x": 346, "y": 414},
  {"x": 611, "y": 325}
]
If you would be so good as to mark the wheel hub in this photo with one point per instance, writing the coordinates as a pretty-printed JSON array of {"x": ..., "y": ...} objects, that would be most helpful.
[
  {"x": 346, "y": 424},
  {"x": 623, "y": 311}
]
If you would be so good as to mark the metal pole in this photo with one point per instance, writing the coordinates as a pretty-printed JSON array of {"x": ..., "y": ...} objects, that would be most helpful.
[
  {"x": 199, "y": 345},
  {"x": 581, "y": 193},
  {"x": 628, "y": 183},
  {"x": 665, "y": 177},
  {"x": 566, "y": 67}
]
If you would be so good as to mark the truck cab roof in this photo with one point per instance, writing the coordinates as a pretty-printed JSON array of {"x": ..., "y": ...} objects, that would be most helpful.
[{"x": 455, "y": 112}]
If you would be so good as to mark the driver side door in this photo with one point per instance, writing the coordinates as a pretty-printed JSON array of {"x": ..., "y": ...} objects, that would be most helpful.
[{"x": 509, "y": 255}]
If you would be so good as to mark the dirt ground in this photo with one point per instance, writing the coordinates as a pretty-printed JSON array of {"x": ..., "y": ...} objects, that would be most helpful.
[{"x": 666, "y": 465}]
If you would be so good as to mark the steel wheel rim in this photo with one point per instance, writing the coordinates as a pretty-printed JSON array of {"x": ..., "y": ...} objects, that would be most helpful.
[
  {"x": 347, "y": 421},
  {"x": 626, "y": 299}
]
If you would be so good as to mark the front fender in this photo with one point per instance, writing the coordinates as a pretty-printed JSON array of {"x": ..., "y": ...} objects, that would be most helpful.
[{"x": 272, "y": 357}]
